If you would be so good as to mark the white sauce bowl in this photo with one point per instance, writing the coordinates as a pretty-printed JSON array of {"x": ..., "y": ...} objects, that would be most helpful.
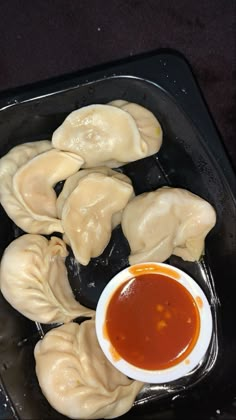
[{"x": 202, "y": 343}]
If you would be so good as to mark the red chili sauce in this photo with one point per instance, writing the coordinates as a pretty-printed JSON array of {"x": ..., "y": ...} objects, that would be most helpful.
[{"x": 152, "y": 321}]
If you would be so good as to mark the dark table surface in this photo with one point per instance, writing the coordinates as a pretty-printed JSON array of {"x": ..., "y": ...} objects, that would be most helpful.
[{"x": 43, "y": 39}]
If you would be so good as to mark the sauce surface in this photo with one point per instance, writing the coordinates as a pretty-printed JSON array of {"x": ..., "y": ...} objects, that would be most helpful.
[{"x": 152, "y": 321}]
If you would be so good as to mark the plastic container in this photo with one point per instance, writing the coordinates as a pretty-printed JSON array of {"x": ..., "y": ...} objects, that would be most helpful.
[{"x": 191, "y": 157}]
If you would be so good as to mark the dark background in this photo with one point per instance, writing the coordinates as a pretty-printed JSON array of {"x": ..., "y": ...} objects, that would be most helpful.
[{"x": 46, "y": 38}]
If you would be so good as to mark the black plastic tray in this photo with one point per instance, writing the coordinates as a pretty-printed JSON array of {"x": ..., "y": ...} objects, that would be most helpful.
[{"x": 192, "y": 157}]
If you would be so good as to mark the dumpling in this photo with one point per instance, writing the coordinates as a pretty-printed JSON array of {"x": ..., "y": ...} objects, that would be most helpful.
[
  {"x": 33, "y": 279},
  {"x": 167, "y": 221},
  {"x": 28, "y": 174},
  {"x": 88, "y": 211},
  {"x": 77, "y": 379},
  {"x": 72, "y": 182},
  {"x": 104, "y": 135},
  {"x": 148, "y": 126},
  {"x": 33, "y": 183},
  {"x": 9, "y": 164}
]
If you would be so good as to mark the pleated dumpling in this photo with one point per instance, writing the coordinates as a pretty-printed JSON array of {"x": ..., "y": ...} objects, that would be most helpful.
[
  {"x": 72, "y": 182},
  {"x": 28, "y": 174},
  {"x": 104, "y": 135},
  {"x": 77, "y": 379},
  {"x": 167, "y": 221},
  {"x": 88, "y": 211},
  {"x": 33, "y": 279},
  {"x": 148, "y": 125}
]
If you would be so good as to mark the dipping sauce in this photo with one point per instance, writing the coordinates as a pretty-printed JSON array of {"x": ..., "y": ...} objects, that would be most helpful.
[{"x": 152, "y": 321}]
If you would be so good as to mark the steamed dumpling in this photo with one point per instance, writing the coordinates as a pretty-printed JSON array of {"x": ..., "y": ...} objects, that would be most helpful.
[
  {"x": 77, "y": 379},
  {"x": 148, "y": 126},
  {"x": 34, "y": 182},
  {"x": 33, "y": 279},
  {"x": 28, "y": 174},
  {"x": 167, "y": 221},
  {"x": 104, "y": 135},
  {"x": 73, "y": 181},
  {"x": 88, "y": 211}
]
